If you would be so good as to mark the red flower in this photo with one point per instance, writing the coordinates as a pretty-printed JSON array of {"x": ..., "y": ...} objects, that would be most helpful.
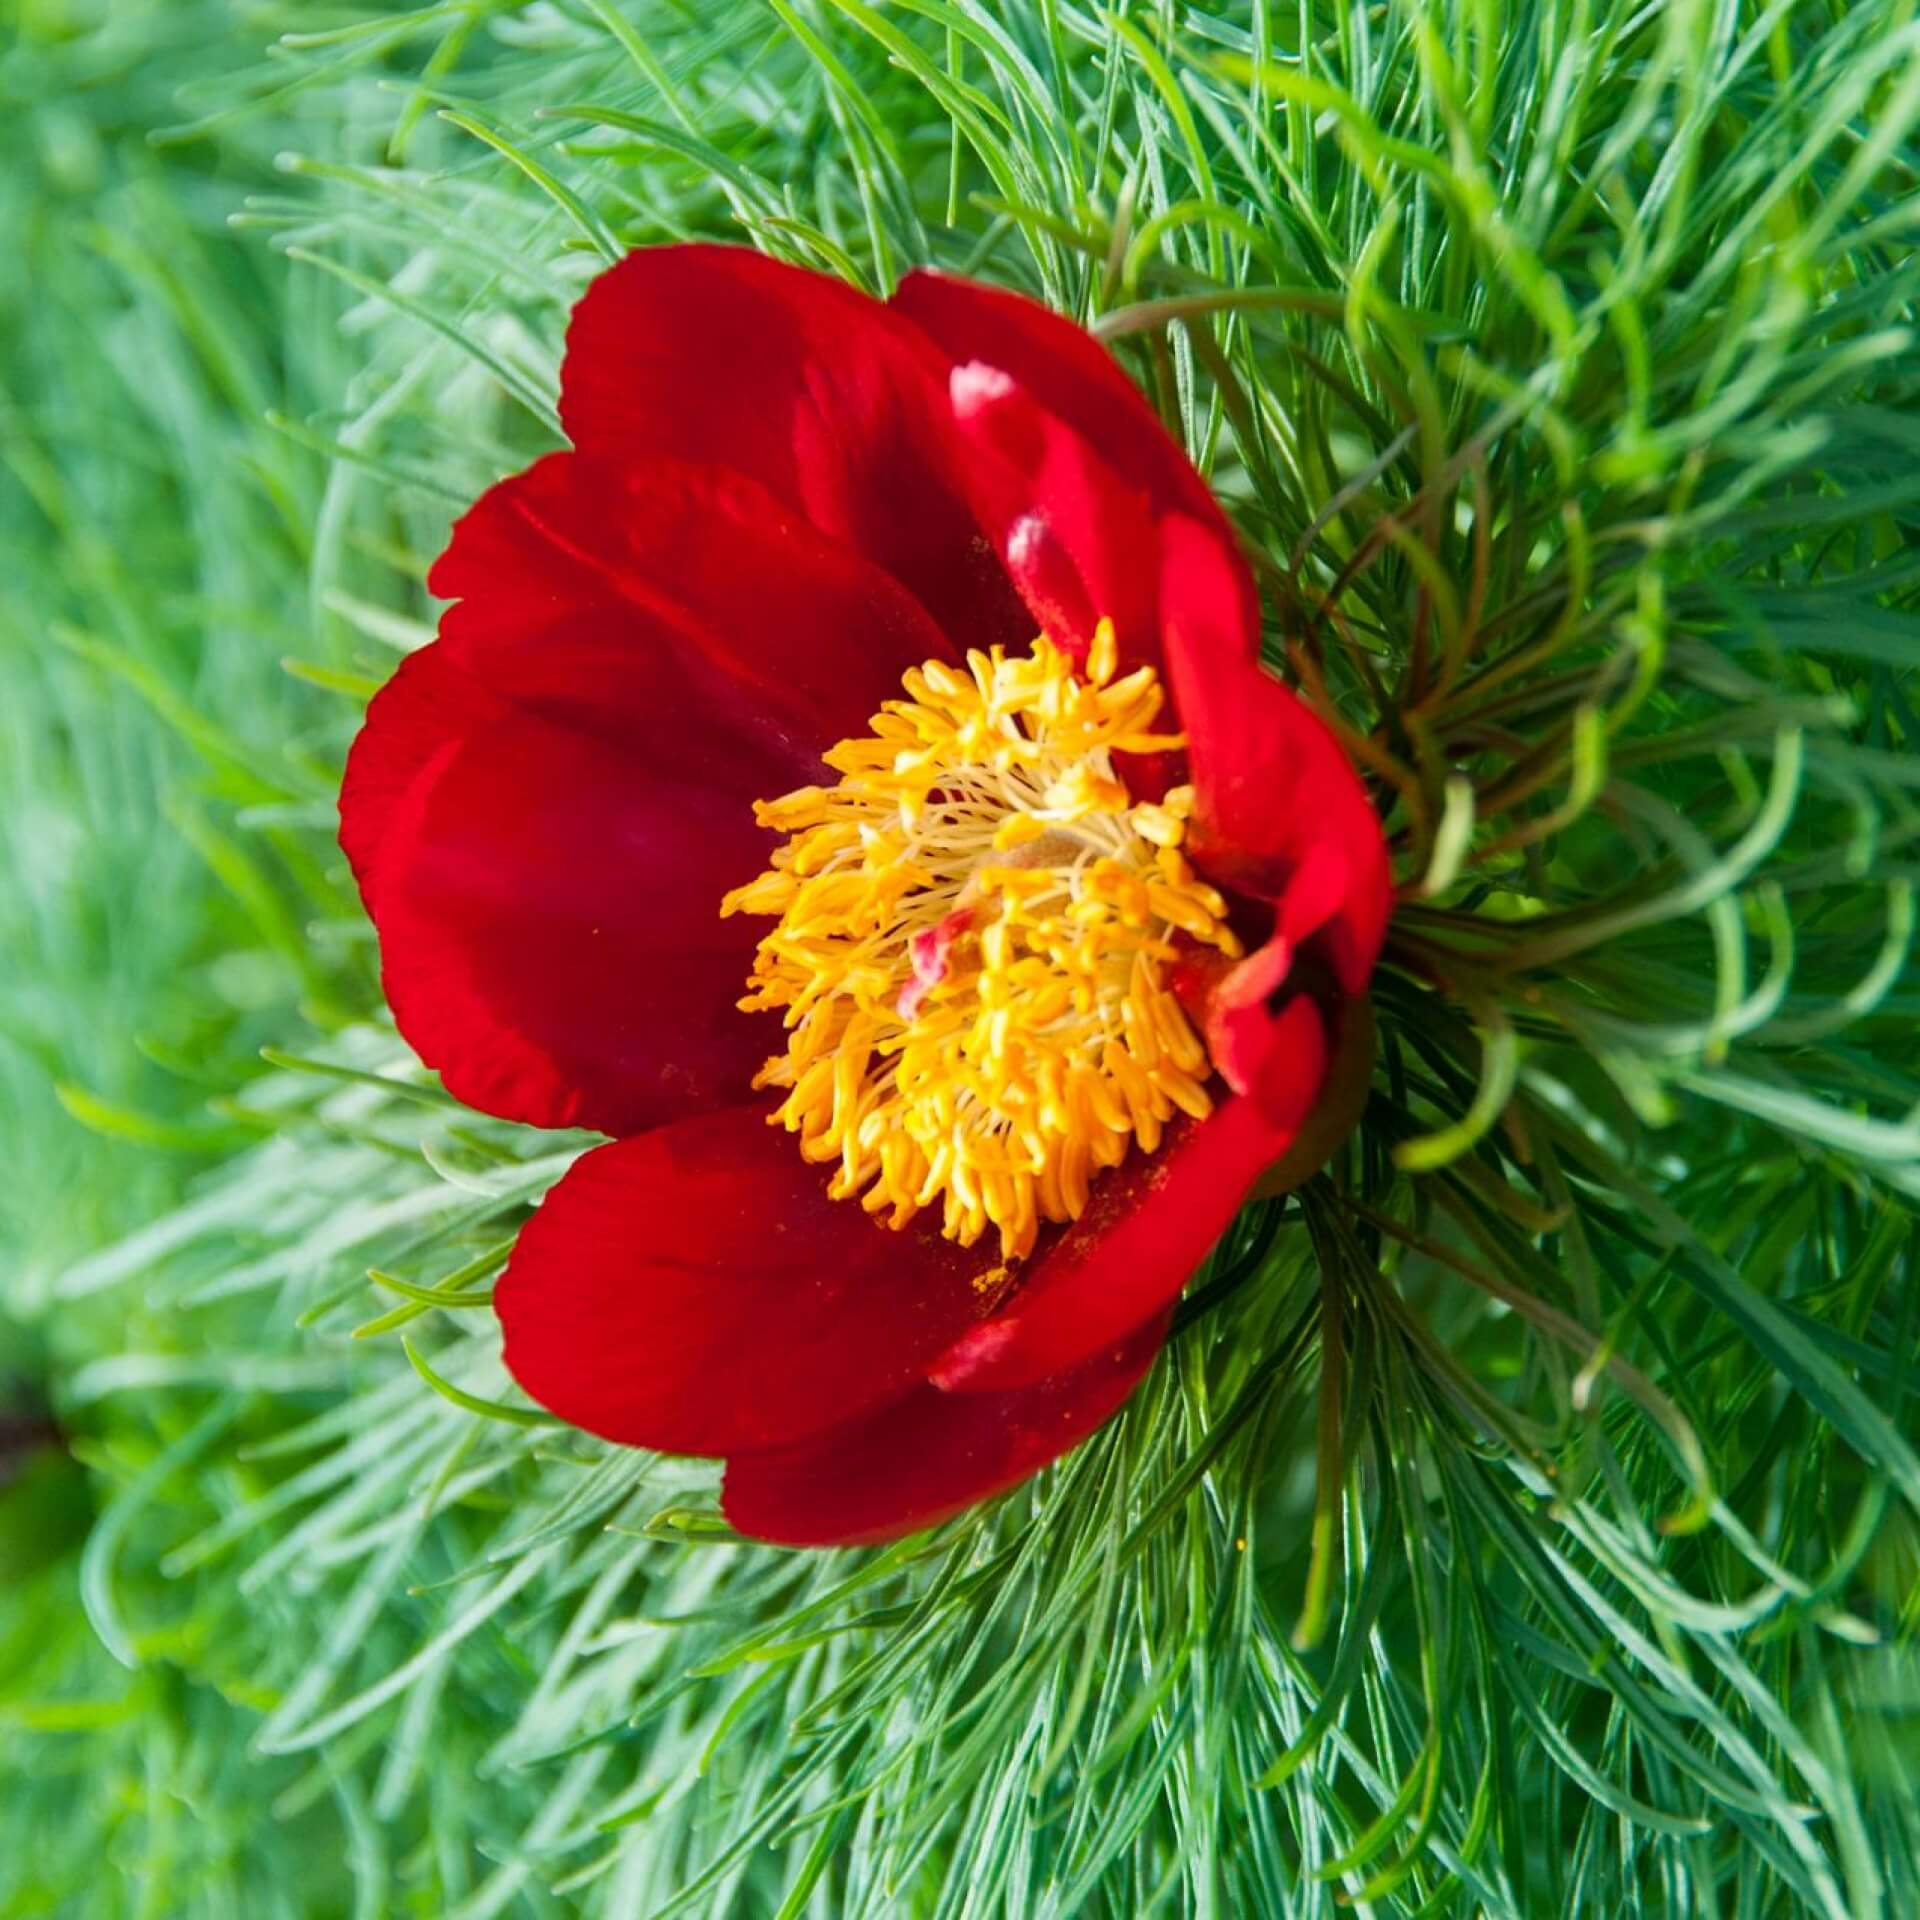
[{"x": 782, "y": 499}]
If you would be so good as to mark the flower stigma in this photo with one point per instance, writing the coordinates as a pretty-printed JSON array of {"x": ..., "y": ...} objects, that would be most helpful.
[{"x": 974, "y": 926}]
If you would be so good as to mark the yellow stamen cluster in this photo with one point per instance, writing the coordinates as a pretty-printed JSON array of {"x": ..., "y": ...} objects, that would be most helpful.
[{"x": 973, "y": 929}]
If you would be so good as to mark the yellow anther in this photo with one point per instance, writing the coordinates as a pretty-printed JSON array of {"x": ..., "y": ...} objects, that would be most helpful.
[
  {"x": 1183, "y": 1090},
  {"x": 1159, "y": 825},
  {"x": 770, "y": 893},
  {"x": 1018, "y": 830},
  {"x": 972, "y": 928},
  {"x": 804, "y": 807},
  {"x": 1081, "y": 791},
  {"x": 1103, "y": 656}
]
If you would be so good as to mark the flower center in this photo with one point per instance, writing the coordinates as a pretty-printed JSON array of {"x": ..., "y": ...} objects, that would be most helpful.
[{"x": 974, "y": 929}]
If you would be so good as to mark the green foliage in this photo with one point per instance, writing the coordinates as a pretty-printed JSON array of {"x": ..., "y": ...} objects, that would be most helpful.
[{"x": 1523, "y": 1520}]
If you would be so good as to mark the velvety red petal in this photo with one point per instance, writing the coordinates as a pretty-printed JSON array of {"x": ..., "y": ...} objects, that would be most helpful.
[
  {"x": 806, "y": 637},
  {"x": 1069, "y": 373},
  {"x": 694, "y": 1290},
  {"x": 1230, "y": 1002},
  {"x": 1266, "y": 1035},
  {"x": 834, "y": 404},
  {"x": 1101, "y": 464},
  {"x": 543, "y": 840},
  {"x": 929, "y": 1454},
  {"x": 1146, "y": 1227},
  {"x": 545, "y": 807},
  {"x": 1076, "y": 537},
  {"x": 1279, "y": 809}
]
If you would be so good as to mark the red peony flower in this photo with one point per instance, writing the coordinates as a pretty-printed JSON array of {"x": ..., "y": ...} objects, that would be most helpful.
[{"x": 737, "y": 789}]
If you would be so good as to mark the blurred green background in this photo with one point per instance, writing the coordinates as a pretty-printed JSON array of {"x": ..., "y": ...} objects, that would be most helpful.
[{"x": 156, "y": 540}]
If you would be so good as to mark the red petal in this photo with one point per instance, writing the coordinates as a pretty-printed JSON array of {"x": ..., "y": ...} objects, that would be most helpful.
[
  {"x": 1279, "y": 811},
  {"x": 808, "y": 636},
  {"x": 1076, "y": 537},
  {"x": 1105, "y": 459},
  {"x": 1148, "y": 1225},
  {"x": 694, "y": 1290},
  {"x": 543, "y": 855},
  {"x": 545, "y": 807},
  {"x": 930, "y": 1454},
  {"x": 834, "y": 404},
  {"x": 1276, "y": 1059},
  {"x": 1069, "y": 373},
  {"x": 1228, "y": 1000}
]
